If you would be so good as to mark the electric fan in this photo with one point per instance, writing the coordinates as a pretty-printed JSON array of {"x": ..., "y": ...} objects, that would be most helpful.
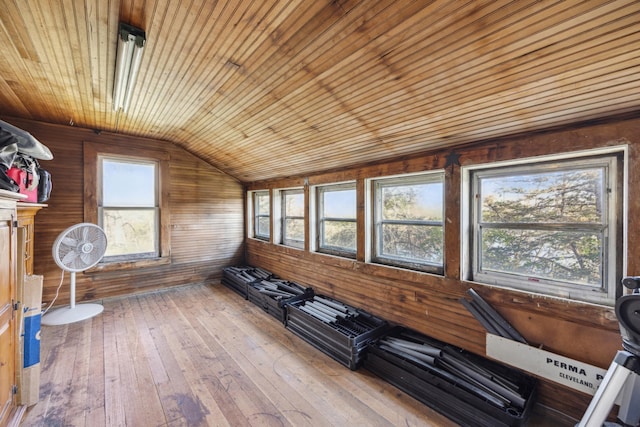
[{"x": 77, "y": 249}]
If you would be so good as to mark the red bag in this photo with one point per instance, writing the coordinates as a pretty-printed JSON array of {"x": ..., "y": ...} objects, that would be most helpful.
[{"x": 25, "y": 181}]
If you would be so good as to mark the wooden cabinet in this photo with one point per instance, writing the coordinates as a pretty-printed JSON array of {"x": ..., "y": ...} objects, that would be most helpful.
[
  {"x": 26, "y": 219},
  {"x": 9, "y": 259}
]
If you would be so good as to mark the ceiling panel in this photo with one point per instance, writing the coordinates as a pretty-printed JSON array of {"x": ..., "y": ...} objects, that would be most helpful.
[{"x": 267, "y": 89}]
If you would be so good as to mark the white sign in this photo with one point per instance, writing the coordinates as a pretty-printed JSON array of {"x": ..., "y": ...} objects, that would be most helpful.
[{"x": 571, "y": 373}]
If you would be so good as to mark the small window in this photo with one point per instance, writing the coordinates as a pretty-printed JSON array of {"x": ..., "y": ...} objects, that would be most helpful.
[
  {"x": 548, "y": 228},
  {"x": 293, "y": 218},
  {"x": 128, "y": 208},
  {"x": 408, "y": 222},
  {"x": 337, "y": 219},
  {"x": 261, "y": 215}
]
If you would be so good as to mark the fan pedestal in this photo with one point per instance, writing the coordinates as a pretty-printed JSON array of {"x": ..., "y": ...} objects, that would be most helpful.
[{"x": 65, "y": 315}]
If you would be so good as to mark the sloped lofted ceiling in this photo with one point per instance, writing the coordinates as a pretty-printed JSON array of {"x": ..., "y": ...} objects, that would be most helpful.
[{"x": 271, "y": 88}]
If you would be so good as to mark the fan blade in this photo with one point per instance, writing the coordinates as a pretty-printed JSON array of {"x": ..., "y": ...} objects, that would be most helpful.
[
  {"x": 98, "y": 240},
  {"x": 69, "y": 241},
  {"x": 69, "y": 257},
  {"x": 87, "y": 259},
  {"x": 85, "y": 234},
  {"x": 101, "y": 242},
  {"x": 95, "y": 237}
]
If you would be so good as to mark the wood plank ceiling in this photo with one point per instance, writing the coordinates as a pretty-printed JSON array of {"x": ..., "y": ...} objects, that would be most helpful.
[{"x": 270, "y": 88}]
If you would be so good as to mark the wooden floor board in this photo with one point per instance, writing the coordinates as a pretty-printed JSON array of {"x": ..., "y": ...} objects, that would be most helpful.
[
  {"x": 173, "y": 390},
  {"x": 95, "y": 414},
  {"x": 203, "y": 356}
]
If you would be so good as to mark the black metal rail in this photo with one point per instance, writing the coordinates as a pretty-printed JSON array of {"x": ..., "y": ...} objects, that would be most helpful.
[{"x": 489, "y": 318}]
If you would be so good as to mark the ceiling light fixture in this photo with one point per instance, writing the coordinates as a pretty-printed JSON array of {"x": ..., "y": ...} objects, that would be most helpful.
[{"x": 130, "y": 46}]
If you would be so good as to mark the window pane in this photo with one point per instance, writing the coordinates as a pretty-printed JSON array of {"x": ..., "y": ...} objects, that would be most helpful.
[
  {"x": 130, "y": 231},
  {"x": 263, "y": 226},
  {"x": 294, "y": 204},
  {"x": 262, "y": 204},
  {"x": 559, "y": 255},
  {"x": 340, "y": 234},
  {"x": 294, "y": 229},
  {"x": 560, "y": 196},
  {"x": 417, "y": 243},
  {"x": 339, "y": 204},
  {"x": 128, "y": 184},
  {"x": 413, "y": 202}
]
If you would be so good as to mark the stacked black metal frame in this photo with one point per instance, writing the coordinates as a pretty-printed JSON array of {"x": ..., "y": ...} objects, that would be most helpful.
[
  {"x": 341, "y": 331},
  {"x": 273, "y": 294},
  {"x": 239, "y": 278},
  {"x": 469, "y": 389}
]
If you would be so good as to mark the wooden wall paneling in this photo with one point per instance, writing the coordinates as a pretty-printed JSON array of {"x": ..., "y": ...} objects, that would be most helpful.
[
  {"x": 452, "y": 216},
  {"x": 633, "y": 219},
  {"x": 430, "y": 303},
  {"x": 206, "y": 223}
]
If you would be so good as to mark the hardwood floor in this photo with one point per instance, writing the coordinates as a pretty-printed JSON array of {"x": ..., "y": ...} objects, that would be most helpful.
[{"x": 203, "y": 356}]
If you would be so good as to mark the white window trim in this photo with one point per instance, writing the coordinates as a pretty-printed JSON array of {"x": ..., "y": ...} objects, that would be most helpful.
[{"x": 467, "y": 206}]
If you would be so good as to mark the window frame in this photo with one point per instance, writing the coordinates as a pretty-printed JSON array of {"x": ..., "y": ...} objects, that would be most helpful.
[
  {"x": 320, "y": 219},
  {"x": 376, "y": 242},
  {"x": 257, "y": 215},
  {"x": 92, "y": 153},
  {"x": 155, "y": 208},
  {"x": 613, "y": 162},
  {"x": 294, "y": 243}
]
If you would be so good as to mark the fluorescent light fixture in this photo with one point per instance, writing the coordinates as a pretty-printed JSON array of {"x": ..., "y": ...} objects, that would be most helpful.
[{"x": 130, "y": 45}]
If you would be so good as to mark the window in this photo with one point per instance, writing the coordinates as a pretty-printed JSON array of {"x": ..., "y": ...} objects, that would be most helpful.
[
  {"x": 548, "y": 228},
  {"x": 337, "y": 219},
  {"x": 261, "y": 215},
  {"x": 293, "y": 218},
  {"x": 408, "y": 222},
  {"x": 124, "y": 189},
  {"x": 128, "y": 208}
]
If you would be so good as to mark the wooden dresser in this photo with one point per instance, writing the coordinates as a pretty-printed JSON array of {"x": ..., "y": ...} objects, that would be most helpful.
[
  {"x": 10, "y": 259},
  {"x": 26, "y": 219}
]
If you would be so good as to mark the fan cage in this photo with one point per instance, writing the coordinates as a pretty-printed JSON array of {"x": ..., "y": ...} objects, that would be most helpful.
[{"x": 80, "y": 247}]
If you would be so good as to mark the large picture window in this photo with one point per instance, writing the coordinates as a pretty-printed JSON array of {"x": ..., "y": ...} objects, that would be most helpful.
[
  {"x": 261, "y": 215},
  {"x": 293, "y": 218},
  {"x": 548, "y": 227},
  {"x": 409, "y": 222},
  {"x": 337, "y": 219}
]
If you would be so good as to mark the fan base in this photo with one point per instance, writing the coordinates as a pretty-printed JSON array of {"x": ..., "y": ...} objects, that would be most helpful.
[{"x": 65, "y": 315}]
